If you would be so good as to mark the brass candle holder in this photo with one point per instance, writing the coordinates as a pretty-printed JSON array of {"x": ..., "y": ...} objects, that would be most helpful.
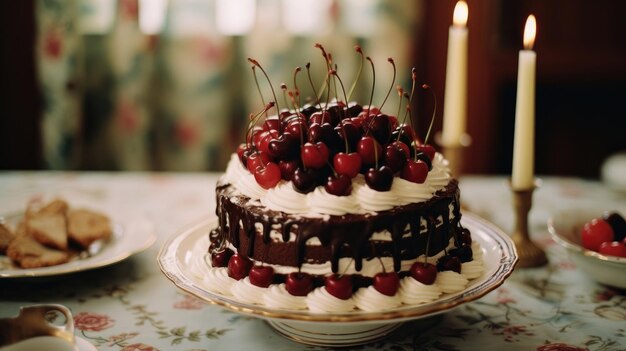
[{"x": 530, "y": 255}]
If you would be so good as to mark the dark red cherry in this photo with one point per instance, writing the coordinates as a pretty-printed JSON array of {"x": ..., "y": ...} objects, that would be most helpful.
[
  {"x": 351, "y": 130},
  {"x": 595, "y": 232},
  {"x": 370, "y": 150},
  {"x": 221, "y": 258},
  {"x": 464, "y": 253},
  {"x": 423, "y": 272},
  {"x": 326, "y": 134},
  {"x": 255, "y": 135},
  {"x": 319, "y": 117},
  {"x": 354, "y": 109},
  {"x": 370, "y": 110},
  {"x": 393, "y": 122},
  {"x": 314, "y": 155},
  {"x": 288, "y": 168},
  {"x": 341, "y": 185},
  {"x": 347, "y": 164},
  {"x": 257, "y": 159},
  {"x": 427, "y": 149},
  {"x": 261, "y": 276},
  {"x": 298, "y": 283},
  {"x": 336, "y": 112},
  {"x": 267, "y": 176},
  {"x": 285, "y": 147},
  {"x": 403, "y": 146},
  {"x": 304, "y": 180},
  {"x": 380, "y": 128},
  {"x": 395, "y": 157},
  {"x": 273, "y": 122},
  {"x": 243, "y": 150},
  {"x": 340, "y": 286},
  {"x": 617, "y": 222},
  {"x": 284, "y": 113},
  {"x": 415, "y": 171},
  {"x": 307, "y": 110},
  {"x": 406, "y": 132},
  {"x": 387, "y": 283},
  {"x": 379, "y": 179},
  {"x": 238, "y": 266},
  {"x": 449, "y": 263},
  {"x": 298, "y": 128}
]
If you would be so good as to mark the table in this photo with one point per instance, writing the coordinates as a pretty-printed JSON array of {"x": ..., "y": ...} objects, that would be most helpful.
[{"x": 132, "y": 306}]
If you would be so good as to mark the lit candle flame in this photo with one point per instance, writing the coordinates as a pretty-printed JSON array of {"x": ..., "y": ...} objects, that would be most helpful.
[
  {"x": 530, "y": 31},
  {"x": 459, "y": 17}
]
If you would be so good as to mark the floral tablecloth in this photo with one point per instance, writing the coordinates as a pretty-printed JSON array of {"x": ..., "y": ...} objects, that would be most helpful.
[{"x": 132, "y": 306}]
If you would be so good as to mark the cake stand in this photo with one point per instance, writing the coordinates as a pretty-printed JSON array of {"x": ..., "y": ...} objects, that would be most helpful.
[{"x": 178, "y": 260}]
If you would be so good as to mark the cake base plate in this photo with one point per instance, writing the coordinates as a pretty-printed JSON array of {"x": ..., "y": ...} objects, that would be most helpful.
[{"x": 178, "y": 260}]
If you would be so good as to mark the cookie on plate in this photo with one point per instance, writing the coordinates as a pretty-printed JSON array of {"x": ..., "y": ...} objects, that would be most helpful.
[
  {"x": 48, "y": 229},
  {"x": 5, "y": 238},
  {"x": 85, "y": 226},
  {"x": 28, "y": 253}
]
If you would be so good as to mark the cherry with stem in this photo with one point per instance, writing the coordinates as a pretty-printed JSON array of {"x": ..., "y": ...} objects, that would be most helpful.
[{"x": 256, "y": 63}]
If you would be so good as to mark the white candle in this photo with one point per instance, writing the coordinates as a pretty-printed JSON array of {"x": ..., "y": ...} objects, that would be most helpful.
[
  {"x": 455, "y": 97},
  {"x": 524, "y": 144}
]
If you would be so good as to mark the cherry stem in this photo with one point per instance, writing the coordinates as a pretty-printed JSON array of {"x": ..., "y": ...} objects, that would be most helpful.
[
  {"x": 258, "y": 87},
  {"x": 432, "y": 119},
  {"x": 413, "y": 79},
  {"x": 253, "y": 119},
  {"x": 358, "y": 74},
  {"x": 325, "y": 83},
  {"x": 345, "y": 269},
  {"x": 393, "y": 81},
  {"x": 256, "y": 63},
  {"x": 400, "y": 92},
  {"x": 343, "y": 130},
  {"x": 330, "y": 67},
  {"x": 375, "y": 152},
  {"x": 297, "y": 90},
  {"x": 373, "y": 84},
  {"x": 427, "y": 248},
  {"x": 308, "y": 72}
]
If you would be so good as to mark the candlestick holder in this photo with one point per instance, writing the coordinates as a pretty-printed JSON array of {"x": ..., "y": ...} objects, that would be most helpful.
[
  {"x": 530, "y": 255},
  {"x": 454, "y": 153}
]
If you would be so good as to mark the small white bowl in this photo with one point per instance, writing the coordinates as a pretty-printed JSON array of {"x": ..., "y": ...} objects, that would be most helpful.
[{"x": 565, "y": 229}]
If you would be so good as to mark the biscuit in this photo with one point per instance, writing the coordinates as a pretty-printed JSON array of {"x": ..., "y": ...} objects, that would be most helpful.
[
  {"x": 48, "y": 229},
  {"x": 28, "y": 253},
  {"x": 56, "y": 206},
  {"x": 5, "y": 237},
  {"x": 84, "y": 226}
]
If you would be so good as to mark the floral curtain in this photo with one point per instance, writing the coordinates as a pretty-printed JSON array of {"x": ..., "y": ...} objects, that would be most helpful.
[{"x": 165, "y": 85}]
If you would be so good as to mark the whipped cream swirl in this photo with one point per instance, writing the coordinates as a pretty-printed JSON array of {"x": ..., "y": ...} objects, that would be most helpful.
[
  {"x": 217, "y": 280},
  {"x": 321, "y": 301},
  {"x": 450, "y": 281},
  {"x": 472, "y": 269},
  {"x": 247, "y": 292},
  {"x": 414, "y": 292},
  {"x": 277, "y": 296},
  {"x": 369, "y": 299},
  {"x": 363, "y": 199}
]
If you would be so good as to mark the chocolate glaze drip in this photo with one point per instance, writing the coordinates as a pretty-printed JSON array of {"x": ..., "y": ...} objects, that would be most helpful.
[{"x": 340, "y": 236}]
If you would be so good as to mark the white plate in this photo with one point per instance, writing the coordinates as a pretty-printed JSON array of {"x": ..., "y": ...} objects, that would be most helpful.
[
  {"x": 176, "y": 258},
  {"x": 130, "y": 236},
  {"x": 565, "y": 227}
]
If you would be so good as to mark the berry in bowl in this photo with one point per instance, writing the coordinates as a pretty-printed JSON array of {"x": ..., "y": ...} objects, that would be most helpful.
[{"x": 596, "y": 241}]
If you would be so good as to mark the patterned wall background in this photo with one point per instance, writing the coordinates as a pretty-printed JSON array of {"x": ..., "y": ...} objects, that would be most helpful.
[{"x": 165, "y": 85}]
